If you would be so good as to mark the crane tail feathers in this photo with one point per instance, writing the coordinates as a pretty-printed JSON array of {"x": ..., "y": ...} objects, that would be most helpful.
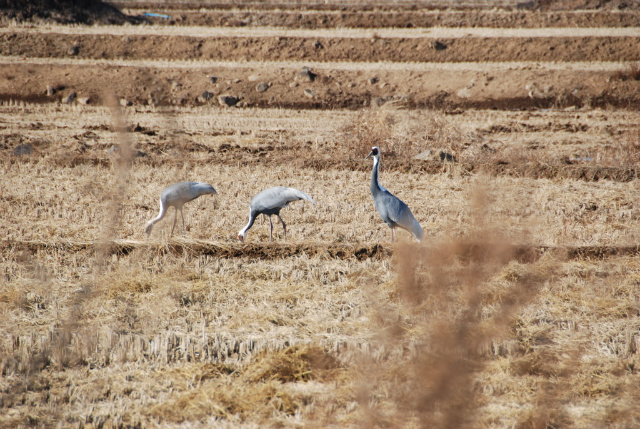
[
  {"x": 299, "y": 195},
  {"x": 416, "y": 230}
]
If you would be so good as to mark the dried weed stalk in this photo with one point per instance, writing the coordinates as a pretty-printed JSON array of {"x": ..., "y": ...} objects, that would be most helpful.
[
  {"x": 400, "y": 135},
  {"x": 630, "y": 72},
  {"x": 70, "y": 340},
  {"x": 123, "y": 166},
  {"x": 627, "y": 154},
  {"x": 436, "y": 343},
  {"x": 367, "y": 130}
]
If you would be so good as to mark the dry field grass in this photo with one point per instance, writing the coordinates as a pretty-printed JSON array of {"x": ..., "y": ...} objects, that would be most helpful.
[
  {"x": 172, "y": 337},
  {"x": 520, "y": 309}
]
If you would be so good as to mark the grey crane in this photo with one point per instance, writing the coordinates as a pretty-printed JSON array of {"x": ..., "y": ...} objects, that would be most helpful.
[
  {"x": 270, "y": 202},
  {"x": 392, "y": 210},
  {"x": 176, "y": 196}
]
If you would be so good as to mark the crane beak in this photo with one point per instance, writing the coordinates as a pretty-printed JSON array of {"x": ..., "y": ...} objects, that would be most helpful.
[{"x": 370, "y": 154}]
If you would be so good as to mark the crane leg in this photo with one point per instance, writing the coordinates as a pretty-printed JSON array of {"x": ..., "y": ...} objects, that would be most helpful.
[
  {"x": 393, "y": 235},
  {"x": 184, "y": 230},
  {"x": 284, "y": 227},
  {"x": 270, "y": 229},
  {"x": 175, "y": 218}
]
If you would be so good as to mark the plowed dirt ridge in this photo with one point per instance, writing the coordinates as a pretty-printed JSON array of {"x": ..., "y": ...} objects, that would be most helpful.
[{"x": 281, "y": 48}]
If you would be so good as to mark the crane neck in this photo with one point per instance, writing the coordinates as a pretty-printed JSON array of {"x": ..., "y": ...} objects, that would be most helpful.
[
  {"x": 375, "y": 173},
  {"x": 252, "y": 218}
]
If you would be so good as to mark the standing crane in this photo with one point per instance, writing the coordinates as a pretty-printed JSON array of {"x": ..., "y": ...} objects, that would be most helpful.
[
  {"x": 392, "y": 210},
  {"x": 270, "y": 202},
  {"x": 176, "y": 196}
]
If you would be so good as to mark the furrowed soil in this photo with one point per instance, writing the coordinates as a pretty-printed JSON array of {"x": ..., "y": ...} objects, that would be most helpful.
[{"x": 510, "y": 129}]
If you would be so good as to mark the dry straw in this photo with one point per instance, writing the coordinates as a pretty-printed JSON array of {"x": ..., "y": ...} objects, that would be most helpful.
[{"x": 464, "y": 331}]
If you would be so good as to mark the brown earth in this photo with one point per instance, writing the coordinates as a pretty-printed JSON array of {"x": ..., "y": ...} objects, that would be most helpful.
[
  {"x": 395, "y": 19},
  {"x": 332, "y": 89},
  {"x": 130, "y": 67},
  {"x": 414, "y": 6},
  {"x": 321, "y": 49},
  {"x": 350, "y": 72},
  {"x": 353, "y": 14}
]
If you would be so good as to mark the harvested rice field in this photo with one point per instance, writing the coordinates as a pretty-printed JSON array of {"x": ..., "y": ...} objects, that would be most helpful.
[{"x": 510, "y": 129}]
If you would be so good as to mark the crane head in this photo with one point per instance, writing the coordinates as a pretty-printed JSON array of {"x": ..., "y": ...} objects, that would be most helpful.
[
  {"x": 240, "y": 237},
  {"x": 375, "y": 151}
]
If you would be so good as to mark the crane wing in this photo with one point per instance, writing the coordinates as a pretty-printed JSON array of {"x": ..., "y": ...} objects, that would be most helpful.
[
  {"x": 278, "y": 196},
  {"x": 401, "y": 214}
]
